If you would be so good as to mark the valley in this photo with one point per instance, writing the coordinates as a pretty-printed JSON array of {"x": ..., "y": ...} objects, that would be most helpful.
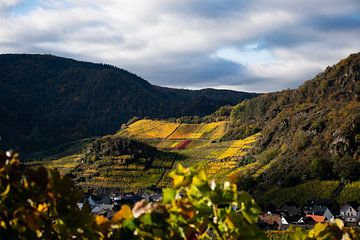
[
  {"x": 277, "y": 146},
  {"x": 294, "y": 145}
]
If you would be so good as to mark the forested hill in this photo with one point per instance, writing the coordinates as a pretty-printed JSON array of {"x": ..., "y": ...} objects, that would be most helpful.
[
  {"x": 47, "y": 100},
  {"x": 312, "y": 132}
]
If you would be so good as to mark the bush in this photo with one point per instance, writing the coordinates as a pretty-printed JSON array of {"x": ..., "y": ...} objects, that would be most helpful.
[{"x": 41, "y": 204}]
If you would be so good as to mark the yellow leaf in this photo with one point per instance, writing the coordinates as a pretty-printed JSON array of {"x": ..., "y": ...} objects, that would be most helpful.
[
  {"x": 3, "y": 224},
  {"x": 124, "y": 213},
  {"x": 178, "y": 179},
  {"x": 339, "y": 224},
  {"x": 7, "y": 190},
  {"x": 100, "y": 220},
  {"x": 229, "y": 222},
  {"x": 200, "y": 179},
  {"x": 26, "y": 184},
  {"x": 42, "y": 207}
]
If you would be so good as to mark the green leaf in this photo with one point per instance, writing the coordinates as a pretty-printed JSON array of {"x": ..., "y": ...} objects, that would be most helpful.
[{"x": 169, "y": 195}]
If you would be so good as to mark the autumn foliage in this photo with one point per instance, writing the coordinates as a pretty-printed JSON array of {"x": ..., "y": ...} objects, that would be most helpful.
[{"x": 41, "y": 204}]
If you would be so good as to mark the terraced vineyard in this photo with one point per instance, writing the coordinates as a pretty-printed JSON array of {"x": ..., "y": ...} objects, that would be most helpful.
[
  {"x": 172, "y": 143},
  {"x": 196, "y": 142}
]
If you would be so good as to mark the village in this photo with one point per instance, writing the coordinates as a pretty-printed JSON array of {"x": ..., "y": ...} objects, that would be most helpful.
[
  {"x": 272, "y": 218},
  {"x": 106, "y": 203},
  {"x": 289, "y": 214}
]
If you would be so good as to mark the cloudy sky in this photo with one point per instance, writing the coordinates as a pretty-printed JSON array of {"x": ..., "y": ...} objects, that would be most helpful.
[{"x": 259, "y": 45}]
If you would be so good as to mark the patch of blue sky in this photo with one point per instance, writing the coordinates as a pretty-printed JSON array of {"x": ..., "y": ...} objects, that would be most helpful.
[
  {"x": 252, "y": 53},
  {"x": 24, "y": 7}
]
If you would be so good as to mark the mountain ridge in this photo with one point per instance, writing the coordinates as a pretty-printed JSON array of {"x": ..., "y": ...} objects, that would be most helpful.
[
  {"x": 301, "y": 143},
  {"x": 48, "y": 100}
]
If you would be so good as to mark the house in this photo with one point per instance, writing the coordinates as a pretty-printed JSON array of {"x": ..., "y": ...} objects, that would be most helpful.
[
  {"x": 268, "y": 221},
  {"x": 279, "y": 220},
  {"x": 99, "y": 199},
  {"x": 291, "y": 219},
  {"x": 318, "y": 210},
  {"x": 155, "y": 197},
  {"x": 102, "y": 209},
  {"x": 309, "y": 221},
  {"x": 316, "y": 218},
  {"x": 146, "y": 196},
  {"x": 290, "y": 209},
  {"x": 350, "y": 212},
  {"x": 83, "y": 200}
]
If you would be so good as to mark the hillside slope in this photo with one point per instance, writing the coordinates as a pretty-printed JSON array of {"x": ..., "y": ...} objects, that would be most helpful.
[
  {"x": 293, "y": 145},
  {"x": 46, "y": 100},
  {"x": 120, "y": 161},
  {"x": 312, "y": 132}
]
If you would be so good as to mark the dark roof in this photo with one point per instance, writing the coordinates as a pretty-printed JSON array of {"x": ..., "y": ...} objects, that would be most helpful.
[
  {"x": 316, "y": 210},
  {"x": 293, "y": 218},
  {"x": 290, "y": 210},
  {"x": 101, "y": 199},
  {"x": 332, "y": 205},
  {"x": 308, "y": 220},
  {"x": 106, "y": 199},
  {"x": 354, "y": 205}
]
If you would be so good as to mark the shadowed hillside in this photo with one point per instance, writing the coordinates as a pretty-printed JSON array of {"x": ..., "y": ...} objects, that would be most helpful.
[{"x": 49, "y": 100}]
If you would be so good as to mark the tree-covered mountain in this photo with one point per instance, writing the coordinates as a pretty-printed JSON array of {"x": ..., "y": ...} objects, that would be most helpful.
[
  {"x": 47, "y": 100},
  {"x": 312, "y": 132}
]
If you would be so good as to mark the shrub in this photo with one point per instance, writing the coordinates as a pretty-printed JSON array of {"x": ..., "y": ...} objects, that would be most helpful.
[{"x": 42, "y": 204}]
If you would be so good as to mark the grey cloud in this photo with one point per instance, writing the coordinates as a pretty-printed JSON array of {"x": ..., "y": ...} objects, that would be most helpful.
[
  {"x": 172, "y": 43},
  {"x": 350, "y": 21},
  {"x": 200, "y": 71},
  {"x": 208, "y": 8}
]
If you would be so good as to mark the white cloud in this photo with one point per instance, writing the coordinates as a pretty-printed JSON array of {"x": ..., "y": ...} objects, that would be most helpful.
[{"x": 190, "y": 43}]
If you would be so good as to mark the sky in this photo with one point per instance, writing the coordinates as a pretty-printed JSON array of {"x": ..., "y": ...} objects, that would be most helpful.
[{"x": 259, "y": 45}]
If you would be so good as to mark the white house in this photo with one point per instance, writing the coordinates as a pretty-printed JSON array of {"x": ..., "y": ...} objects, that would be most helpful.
[{"x": 350, "y": 212}]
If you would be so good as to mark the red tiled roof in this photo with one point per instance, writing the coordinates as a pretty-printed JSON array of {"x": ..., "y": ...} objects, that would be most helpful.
[{"x": 316, "y": 218}]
